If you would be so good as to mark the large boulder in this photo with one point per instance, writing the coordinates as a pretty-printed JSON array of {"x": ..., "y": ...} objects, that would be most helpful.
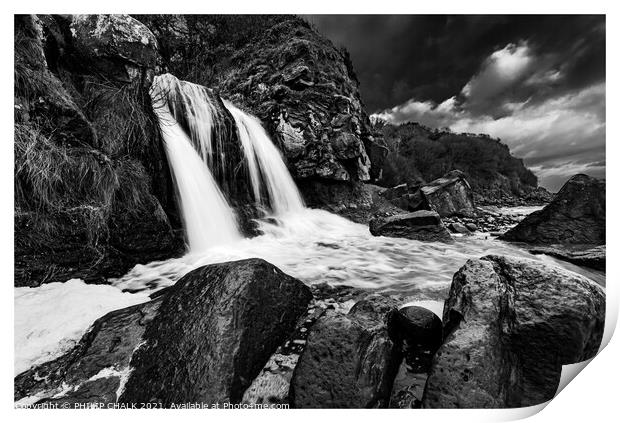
[
  {"x": 350, "y": 361},
  {"x": 223, "y": 322},
  {"x": 407, "y": 197},
  {"x": 203, "y": 340},
  {"x": 450, "y": 195},
  {"x": 510, "y": 325},
  {"x": 422, "y": 225},
  {"x": 420, "y": 327},
  {"x": 575, "y": 216},
  {"x": 119, "y": 45}
]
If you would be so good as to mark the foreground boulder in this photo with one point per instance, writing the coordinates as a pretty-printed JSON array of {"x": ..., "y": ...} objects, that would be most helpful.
[
  {"x": 422, "y": 225},
  {"x": 420, "y": 327},
  {"x": 203, "y": 340},
  {"x": 96, "y": 367},
  {"x": 575, "y": 216},
  {"x": 350, "y": 361},
  {"x": 511, "y": 324}
]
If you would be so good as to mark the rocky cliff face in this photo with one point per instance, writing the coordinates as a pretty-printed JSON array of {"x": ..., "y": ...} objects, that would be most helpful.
[
  {"x": 93, "y": 194},
  {"x": 420, "y": 154},
  {"x": 92, "y": 185},
  {"x": 302, "y": 88}
]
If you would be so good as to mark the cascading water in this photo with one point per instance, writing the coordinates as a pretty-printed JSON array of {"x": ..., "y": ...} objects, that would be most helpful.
[
  {"x": 194, "y": 155},
  {"x": 208, "y": 218},
  {"x": 191, "y": 103},
  {"x": 265, "y": 163}
]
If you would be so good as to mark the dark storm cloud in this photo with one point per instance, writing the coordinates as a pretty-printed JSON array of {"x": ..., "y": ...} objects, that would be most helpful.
[
  {"x": 432, "y": 57},
  {"x": 536, "y": 82}
]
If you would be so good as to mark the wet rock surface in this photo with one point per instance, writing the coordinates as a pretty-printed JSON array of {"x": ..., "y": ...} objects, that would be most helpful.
[
  {"x": 594, "y": 257},
  {"x": 97, "y": 367},
  {"x": 202, "y": 340},
  {"x": 121, "y": 45},
  {"x": 510, "y": 324},
  {"x": 450, "y": 195},
  {"x": 575, "y": 216},
  {"x": 350, "y": 360},
  {"x": 421, "y": 332},
  {"x": 272, "y": 384},
  {"x": 420, "y": 327},
  {"x": 421, "y": 225},
  {"x": 459, "y": 228},
  {"x": 226, "y": 320}
]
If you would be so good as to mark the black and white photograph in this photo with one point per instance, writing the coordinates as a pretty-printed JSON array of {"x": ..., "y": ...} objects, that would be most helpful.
[{"x": 306, "y": 211}]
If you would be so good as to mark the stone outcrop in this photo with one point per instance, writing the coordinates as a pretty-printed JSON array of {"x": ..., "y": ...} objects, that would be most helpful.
[
  {"x": 407, "y": 197},
  {"x": 422, "y": 225},
  {"x": 459, "y": 228},
  {"x": 575, "y": 216},
  {"x": 350, "y": 361},
  {"x": 510, "y": 324},
  {"x": 119, "y": 45},
  {"x": 594, "y": 258},
  {"x": 93, "y": 194},
  {"x": 294, "y": 80},
  {"x": 97, "y": 368},
  {"x": 450, "y": 195},
  {"x": 203, "y": 340}
]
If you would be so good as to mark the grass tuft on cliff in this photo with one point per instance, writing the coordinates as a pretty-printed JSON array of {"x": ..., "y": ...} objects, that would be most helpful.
[
  {"x": 126, "y": 128},
  {"x": 49, "y": 176}
]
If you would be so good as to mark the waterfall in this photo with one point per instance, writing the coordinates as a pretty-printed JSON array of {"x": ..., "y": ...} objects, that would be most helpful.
[
  {"x": 191, "y": 104},
  {"x": 265, "y": 163},
  {"x": 207, "y": 217},
  {"x": 191, "y": 122}
]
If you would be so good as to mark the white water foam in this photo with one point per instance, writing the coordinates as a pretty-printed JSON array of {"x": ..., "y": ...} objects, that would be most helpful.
[
  {"x": 317, "y": 246},
  {"x": 49, "y": 319}
]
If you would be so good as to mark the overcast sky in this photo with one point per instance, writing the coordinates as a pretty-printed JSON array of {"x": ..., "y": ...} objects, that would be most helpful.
[{"x": 536, "y": 82}]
